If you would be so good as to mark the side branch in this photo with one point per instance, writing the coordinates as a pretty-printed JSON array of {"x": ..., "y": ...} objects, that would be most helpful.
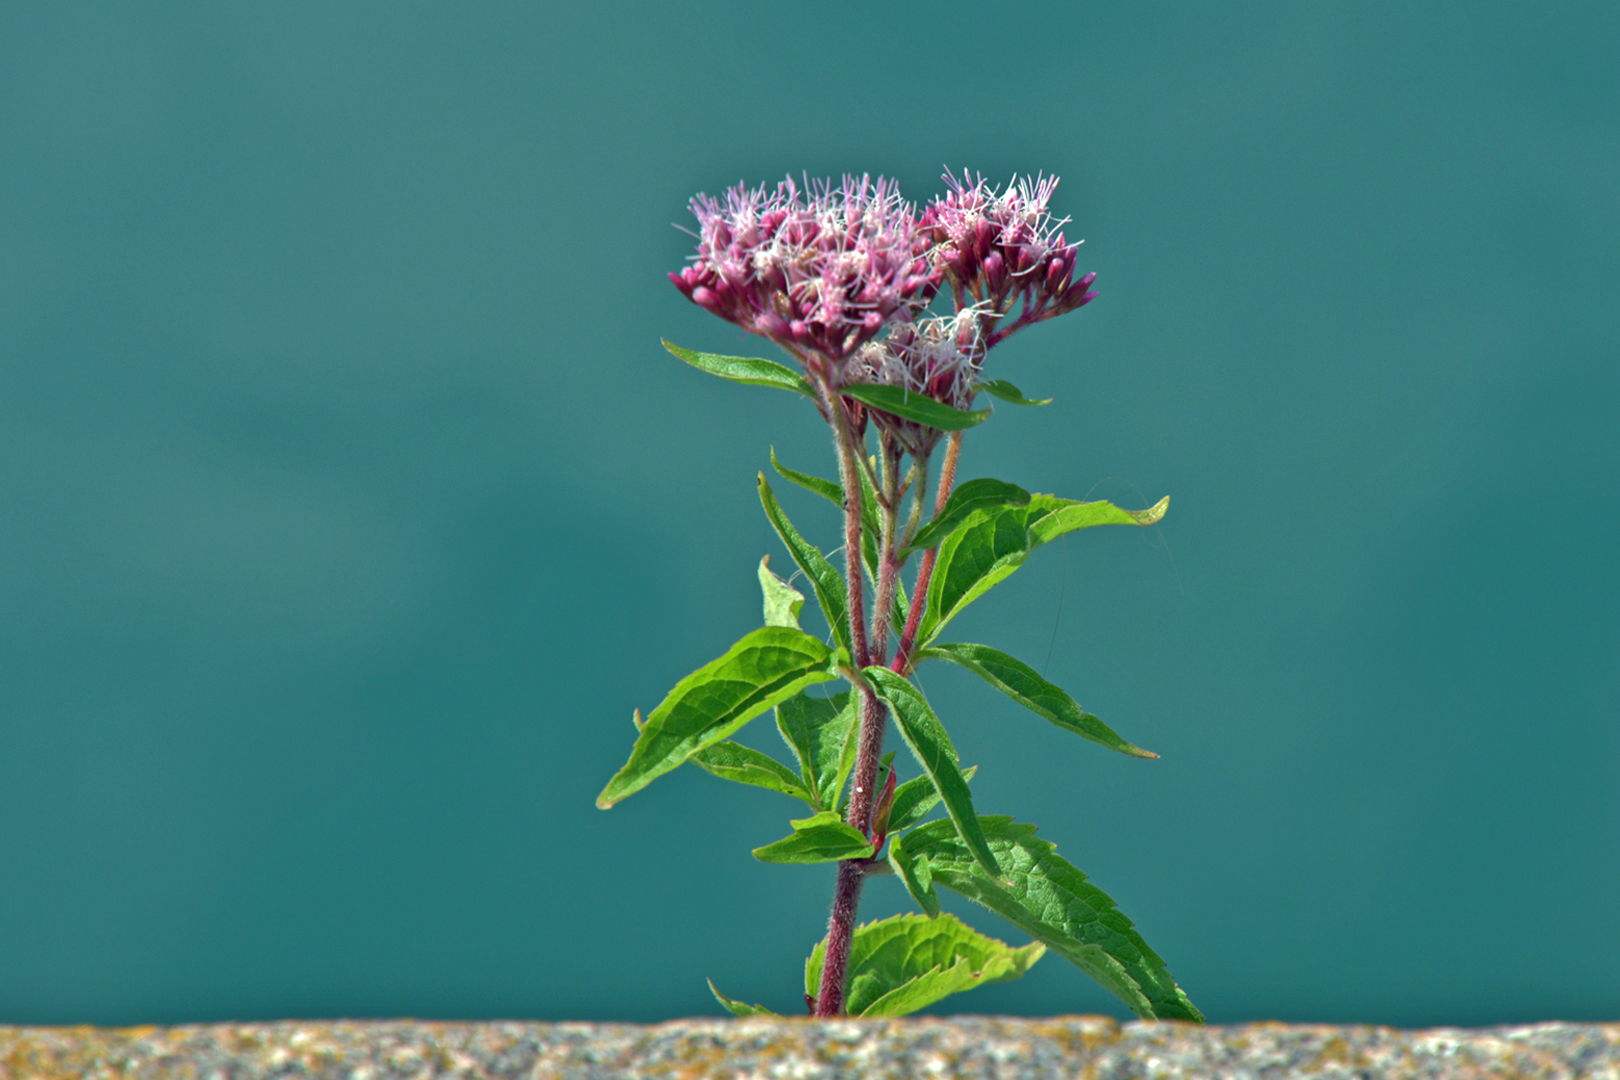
[{"x": 925, "y": 572}]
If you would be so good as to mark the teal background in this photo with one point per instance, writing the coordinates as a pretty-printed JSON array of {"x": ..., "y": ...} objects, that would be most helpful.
[{"x": 348, "y": 503}]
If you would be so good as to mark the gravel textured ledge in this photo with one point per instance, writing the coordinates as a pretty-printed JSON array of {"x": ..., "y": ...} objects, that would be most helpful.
[{"x": 1087, "y": 1047}]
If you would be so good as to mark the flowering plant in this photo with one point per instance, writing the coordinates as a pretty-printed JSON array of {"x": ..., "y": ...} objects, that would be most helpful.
[{"x": 841, "y": 277}]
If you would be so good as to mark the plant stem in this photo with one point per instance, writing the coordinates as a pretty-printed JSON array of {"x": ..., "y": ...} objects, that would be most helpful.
[
  {"x": 847, "y": 892},
  {"x": 919, "y": 595},
  {"x": 874, "y": 715}
]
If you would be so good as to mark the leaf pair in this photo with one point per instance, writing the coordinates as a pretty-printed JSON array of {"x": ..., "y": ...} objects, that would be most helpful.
[
  {"x": 1047, "y": 897},
  {"x": 908, "y": 962},
  {"x": 890, "y": 399},
  {"x": 781, "y": 377},
  {"x": 825, "y": 838}
]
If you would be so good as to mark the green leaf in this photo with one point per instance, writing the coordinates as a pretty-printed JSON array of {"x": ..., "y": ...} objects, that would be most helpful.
[
  {"x": 827, "y": 489},
  {"x": 765, "y": 668},
  {"x": 737, "y": 1008},
  {"x": 1006, "y": 391},
  {"x": 733, "y": 761},
  {"x": 825, "y": 579},
  {"x": 915, "y": 798},
  {"x": 871, "y": 527},
  {"x": 1024, "y": 685},
  {"x": 971, "y": 496},
  {"x": 914, "y": 406},
  {"x": 823, "y": 734},
  {"x": 782, "y": 601},
  {"x": 1051, "y": 900},
  {"x": 992, "y": 543},
  {"x": 822, "y": 837},
  {"x": 908, "y": 962},
  {"x": 915, "y": 872},
  {"x": 743, "y": 370},
  {"x": 932, "y": 748}
]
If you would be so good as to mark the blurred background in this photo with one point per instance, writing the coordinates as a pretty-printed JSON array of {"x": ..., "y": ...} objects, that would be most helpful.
[{"x": 349, "y": 504}]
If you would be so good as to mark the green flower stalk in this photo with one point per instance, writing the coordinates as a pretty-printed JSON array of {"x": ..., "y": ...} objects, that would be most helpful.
[{"x": 840, "y": 277}]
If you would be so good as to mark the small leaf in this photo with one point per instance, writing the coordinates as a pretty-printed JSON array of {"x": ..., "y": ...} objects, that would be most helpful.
[
  {"x": 971, "y": 496},
  {"x": 821, "y": 733},
  {"x": 908, "y": 962},
  {"x": 915, "y": 798},
  {"x": 913, "y": 405},
  {"x": 834, "y": 493},
  {"x": 932, "y": 748},
  {"x": 827, "y": 489},
  {"x": 1050, "y": 899},
  {"x": 881, "y": 809},
  {"x": 992, "y": 543},
  {"x": 737, "y": 1008},
  {"x": 765, "y": 668},
  {"x": 743, "y": 764},
  {"x": 1006, "y": 391},
  {"x": 743, "y": 370},
  {"x": 822, "y": 837},
  {"x": 914, "y": 871},
  {"x": 1024, "y": 685},
  {"x": 825, "y": 579},
  {"x": 782, "y": 601}
]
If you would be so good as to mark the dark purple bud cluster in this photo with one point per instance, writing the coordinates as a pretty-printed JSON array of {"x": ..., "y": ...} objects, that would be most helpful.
[
  {"x": 820, "y": 273},
  {"x": 1002, "y": 247}
]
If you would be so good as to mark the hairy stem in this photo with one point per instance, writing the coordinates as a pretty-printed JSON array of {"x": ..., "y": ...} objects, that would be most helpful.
[
  {"x": 919, "y": 595},
  {"x": 874, "y": 715},
  {"x": 848, "y": 472},
  {"x": 847, "y": 892}
]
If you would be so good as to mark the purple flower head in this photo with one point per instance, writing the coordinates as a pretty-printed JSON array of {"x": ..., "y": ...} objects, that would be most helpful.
[
  {"x": 1000, "y": 246},
  {"x": 937, "y": 358},
  {"x": 819, "y": 273}
]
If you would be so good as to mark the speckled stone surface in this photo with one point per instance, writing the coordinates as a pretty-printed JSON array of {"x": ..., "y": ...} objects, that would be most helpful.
[{"x": 1084, "y": 1047}]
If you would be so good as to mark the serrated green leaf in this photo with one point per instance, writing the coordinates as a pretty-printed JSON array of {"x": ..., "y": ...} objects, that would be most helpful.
[
  {"x": 743, "y": 764},
  {"x": 1006, "y": 391},
  {"x": 915, "y": 798},
  {"x": 737, "y": 1008},
  {"x": 819, "y": 838},
  {"x": 744, "y": 370},
  {"x": 1024, "y": 685},
  {"x": 765, "y": 668},
  {"x": 915, "y": 873},
  {"x": 914, "y": 406},
  {"x": 1050, "y": 899},
  {"x": 931, "y": 746},
  {"x": 971, "y": 496},
  {"x": 782, "y": 601},
  {"x": 908, "y": 962},
  {"x": 821, "y": 732},
  {"x": 825, "y": 579},
  {"x": 991, "y": 544}
]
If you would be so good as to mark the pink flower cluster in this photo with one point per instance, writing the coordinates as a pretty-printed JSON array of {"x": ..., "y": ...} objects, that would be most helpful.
[
  {"x": 937, "y": 358},
  {"x": 823, "y": 272},
  {"x": 1002, "y": 246},
  {"x": 819, "y": 273}
]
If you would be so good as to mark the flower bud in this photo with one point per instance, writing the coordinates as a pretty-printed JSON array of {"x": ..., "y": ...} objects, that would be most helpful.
[
  {"x": 984, "y": 234},
  {"x": 771, "y": 325},
  {"x": 995, "y": 272},
  {"x": 1053, "y": 285}
]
